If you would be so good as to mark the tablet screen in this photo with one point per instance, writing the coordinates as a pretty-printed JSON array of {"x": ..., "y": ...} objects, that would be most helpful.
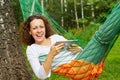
[{"x": 68, "y": 42}]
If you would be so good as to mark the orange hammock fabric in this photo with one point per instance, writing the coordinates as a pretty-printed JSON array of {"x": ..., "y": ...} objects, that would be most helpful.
[{"x": 80, "y": 70}]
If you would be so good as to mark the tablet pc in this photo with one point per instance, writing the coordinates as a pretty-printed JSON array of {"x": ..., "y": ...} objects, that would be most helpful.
[{"x": 68, "y": 42}]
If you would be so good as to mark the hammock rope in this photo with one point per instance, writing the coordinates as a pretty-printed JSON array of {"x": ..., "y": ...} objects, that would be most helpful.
[{"x": 88, "y": 64}]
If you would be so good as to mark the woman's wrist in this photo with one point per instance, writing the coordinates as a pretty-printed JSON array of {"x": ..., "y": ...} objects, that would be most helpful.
[{"x": 50, "y": 56}]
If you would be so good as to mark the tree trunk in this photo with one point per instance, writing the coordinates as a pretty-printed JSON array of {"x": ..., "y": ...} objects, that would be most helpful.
[
  {"x": 76, "y": 16},
  {"x": 62, "y": 18},
  {"x": 82, "y": 12},
  {"x": 92, "y": 10},
  {"x": 12, "y": 61}
]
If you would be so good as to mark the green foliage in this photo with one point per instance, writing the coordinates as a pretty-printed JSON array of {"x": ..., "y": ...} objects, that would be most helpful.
[
  {"x": 58, "y": 77},
  {"x": 17, "y": 11},
  {"x": 82, "y": 20},
  {"x": 53, "y": 8},
  {"x": 86, "y": 34}
]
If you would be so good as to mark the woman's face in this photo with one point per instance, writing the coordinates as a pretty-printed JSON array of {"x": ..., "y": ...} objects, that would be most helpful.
[{"x": 37, "y": 30}]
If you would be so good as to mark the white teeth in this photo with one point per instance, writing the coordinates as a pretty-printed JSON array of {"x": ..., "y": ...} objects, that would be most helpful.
[{"x": 39, "y": 35}]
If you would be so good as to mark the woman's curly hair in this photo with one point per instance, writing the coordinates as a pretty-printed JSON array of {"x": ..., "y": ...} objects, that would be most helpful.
[{"x": 26, "y": 38}]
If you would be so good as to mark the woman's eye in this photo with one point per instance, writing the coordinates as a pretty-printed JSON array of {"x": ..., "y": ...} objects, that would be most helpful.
[
  {"x": 34, "y": 28},
  {"x": 41, "y": 26}
]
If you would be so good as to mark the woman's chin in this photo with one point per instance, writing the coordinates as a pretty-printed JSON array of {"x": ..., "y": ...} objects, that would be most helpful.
[{"x": 39, "y": 40}]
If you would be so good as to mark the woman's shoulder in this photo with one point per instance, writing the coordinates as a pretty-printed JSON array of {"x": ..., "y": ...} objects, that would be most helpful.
[
  {"x": 56, "y": 37},
  {"x": 32, "y": 47}
]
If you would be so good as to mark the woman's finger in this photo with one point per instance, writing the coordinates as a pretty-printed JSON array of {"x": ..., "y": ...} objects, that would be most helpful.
[{"x": 59, "y": 47}]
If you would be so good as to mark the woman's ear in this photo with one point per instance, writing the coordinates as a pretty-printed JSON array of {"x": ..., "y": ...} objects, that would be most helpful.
[{"x": 30, "y": 33}]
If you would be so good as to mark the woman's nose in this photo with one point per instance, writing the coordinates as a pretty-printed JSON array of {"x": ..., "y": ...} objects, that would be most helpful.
[{"x": 38, "y": 30}]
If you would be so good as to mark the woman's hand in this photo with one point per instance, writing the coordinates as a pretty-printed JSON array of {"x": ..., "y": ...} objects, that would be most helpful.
[
  {"x": 74, "y": 48},
  {"x": 56, "y": 48}
]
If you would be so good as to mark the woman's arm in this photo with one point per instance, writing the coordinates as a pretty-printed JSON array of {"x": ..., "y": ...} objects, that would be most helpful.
[
  {"x": 55, "y": 49},
  {"x": 33, "y": 59},
  {"x": 42, "y": 71}
]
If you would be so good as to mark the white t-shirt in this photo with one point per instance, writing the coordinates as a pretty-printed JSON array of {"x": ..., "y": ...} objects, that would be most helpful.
[{"x": 36, "y": 55}]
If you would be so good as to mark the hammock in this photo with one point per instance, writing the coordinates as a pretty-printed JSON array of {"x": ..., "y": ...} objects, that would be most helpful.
[{"x": 88, "y": 64}]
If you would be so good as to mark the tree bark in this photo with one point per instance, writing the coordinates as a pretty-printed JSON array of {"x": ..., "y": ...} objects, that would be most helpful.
[
  {"x": 62, "y": 18},
  {"x": 12, "y": 61},
  {"x": 82, "y": 12},
  {"x": 76, "y": 16}
]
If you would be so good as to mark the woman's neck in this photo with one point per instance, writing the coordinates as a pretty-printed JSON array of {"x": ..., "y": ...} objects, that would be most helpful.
[{"x": 45, "y": 42}]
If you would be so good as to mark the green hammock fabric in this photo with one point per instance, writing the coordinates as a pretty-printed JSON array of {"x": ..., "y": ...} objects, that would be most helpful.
[{"x": 102, "y": 41}]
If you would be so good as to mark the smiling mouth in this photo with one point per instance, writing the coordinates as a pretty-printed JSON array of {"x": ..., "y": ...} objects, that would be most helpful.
[{"x": 39, "y": 36}]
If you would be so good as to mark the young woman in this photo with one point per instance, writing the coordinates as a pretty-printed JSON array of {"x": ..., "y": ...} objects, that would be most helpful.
[{"x": 42, "y": 51}]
